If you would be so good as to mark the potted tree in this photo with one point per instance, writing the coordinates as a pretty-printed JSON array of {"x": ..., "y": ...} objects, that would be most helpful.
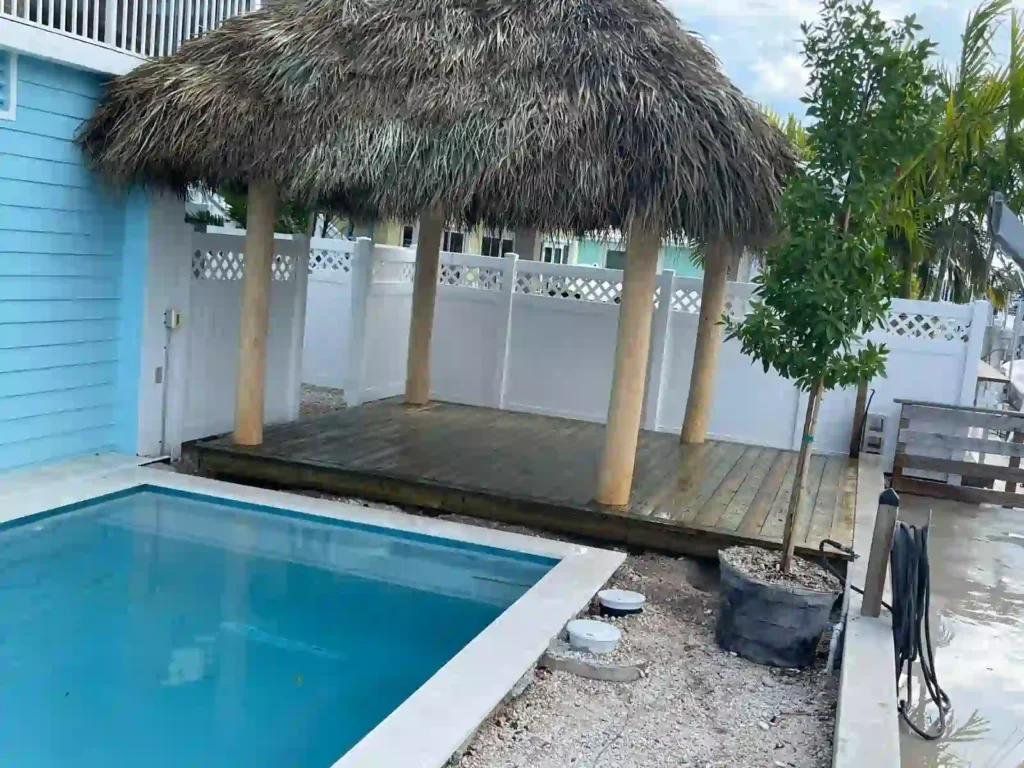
[{"x": 827, "y": 283}]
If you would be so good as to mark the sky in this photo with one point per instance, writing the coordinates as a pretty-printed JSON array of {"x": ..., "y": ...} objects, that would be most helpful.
[{"x": 758, "y": 41}]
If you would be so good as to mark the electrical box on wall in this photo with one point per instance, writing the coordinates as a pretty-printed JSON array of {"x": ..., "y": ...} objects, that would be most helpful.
[{"x": 172, "y": 318}]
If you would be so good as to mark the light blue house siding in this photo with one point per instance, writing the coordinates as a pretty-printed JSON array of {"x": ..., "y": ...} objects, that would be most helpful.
[{"x": 72, "y": 264}]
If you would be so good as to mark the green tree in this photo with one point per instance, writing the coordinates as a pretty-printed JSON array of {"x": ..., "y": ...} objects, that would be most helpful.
[
  {"x": 830, "y": 280},
  {"x": 292, "y": 218}
]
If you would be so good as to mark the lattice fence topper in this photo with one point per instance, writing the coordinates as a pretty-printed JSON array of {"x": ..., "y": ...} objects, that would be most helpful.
[
  {"x": 481, "y": 278},
  {"x": 688, "y": 300},
  {"x": 283, "y": 267},
  {"x": 918, "y": 326},
  {"x": 217, "y": 265},
  {"x": 230, "y": 265},
  {"x": 568, "y": 287},
  {"x": 326, "y": 260},
  {"x": 393, "y": 271}
]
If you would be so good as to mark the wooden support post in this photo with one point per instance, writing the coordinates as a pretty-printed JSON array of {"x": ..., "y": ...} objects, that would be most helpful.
[
  {"x": 798, "y": 496},
  {"x": 709, "y": 340},
  {"x": 859, "y": 408},
  {"x": 252, "y": 352},
  {"x": 615, "y": 473},
  {"x": 878, "y": 559},
  {"x": 424, "y": 296}
]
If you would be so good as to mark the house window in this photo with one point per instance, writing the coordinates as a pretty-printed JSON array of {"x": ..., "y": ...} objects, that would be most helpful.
[
  {"x": 555, "y": 253},
  {"x": 8, "y": 84},
  {"x": 615, "y": 259},
  {"x": 495, "y": 246},
  {"x": 453, "y": 242},
  {"x": 407, "y": 236}
]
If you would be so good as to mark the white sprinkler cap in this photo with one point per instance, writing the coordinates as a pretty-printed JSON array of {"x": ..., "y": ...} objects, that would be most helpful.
[
  {"x": 593, "y": 636},
  {"x": 622, "y": 600}
]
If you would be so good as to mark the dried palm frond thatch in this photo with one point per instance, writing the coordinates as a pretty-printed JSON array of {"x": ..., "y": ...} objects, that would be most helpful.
[{"x": 571, "y": 115}]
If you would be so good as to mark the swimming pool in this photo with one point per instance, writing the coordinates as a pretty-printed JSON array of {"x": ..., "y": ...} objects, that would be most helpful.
[{"x": 176, "y": 621}]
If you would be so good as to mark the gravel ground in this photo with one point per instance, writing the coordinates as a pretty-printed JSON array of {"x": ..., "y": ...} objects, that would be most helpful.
[
  {"x": 318, "y": 401},
  {"x": 763, "y": 565},
  {"x": 697, "y": 705}
]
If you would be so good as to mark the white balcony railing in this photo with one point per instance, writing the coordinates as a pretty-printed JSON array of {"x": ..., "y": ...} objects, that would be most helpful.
[{"x": 141, "y": 27}]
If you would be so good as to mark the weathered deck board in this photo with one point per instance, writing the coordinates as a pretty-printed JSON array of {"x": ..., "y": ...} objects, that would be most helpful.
[{"x": 540, "y": 471}]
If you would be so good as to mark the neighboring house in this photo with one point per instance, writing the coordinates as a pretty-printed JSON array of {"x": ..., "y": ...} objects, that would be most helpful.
[
  {"x": 610, "y": 253},
  {"x": 74, "y": 251}
]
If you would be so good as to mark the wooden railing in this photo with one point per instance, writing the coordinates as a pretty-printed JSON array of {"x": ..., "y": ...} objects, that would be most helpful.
[
  {"x": 141, "y": 27},
  {"x": 945, "y": 449}
]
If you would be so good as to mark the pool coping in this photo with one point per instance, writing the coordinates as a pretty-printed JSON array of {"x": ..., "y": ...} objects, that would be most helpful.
[
  {"x": 437, "y": 719},
  {"x": 867, "y": 718}
]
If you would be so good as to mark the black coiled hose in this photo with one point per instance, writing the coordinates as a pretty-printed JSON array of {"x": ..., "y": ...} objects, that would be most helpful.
[
  {"x": 911, "y": 625},
  {"x": 910, "y": 576}
]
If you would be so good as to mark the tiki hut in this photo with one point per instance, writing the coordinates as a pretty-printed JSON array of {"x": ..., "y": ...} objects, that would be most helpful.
[{"x": 565, "y": 115}]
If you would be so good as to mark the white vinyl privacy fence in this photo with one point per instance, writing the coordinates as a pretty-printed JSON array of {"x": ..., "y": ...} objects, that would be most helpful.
[
  {"x": 539, "y": 337},
  {"x": 210, "y": 330}
]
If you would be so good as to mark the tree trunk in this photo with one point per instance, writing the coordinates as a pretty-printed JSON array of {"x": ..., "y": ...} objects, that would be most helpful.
[
  {"x": 424, "y": 296},
  {"x": 708, "y": 343},
  {"x": 796, "y": 498},
  {"x": 906, "y": 284},
  {"x": 615, "y": 472},
  {"x": 255, "y": 314},
  {"x": 944, "y": 264},
  {"x": 940, "y": 279},
  {"x": 907, "y": 275},
  {"x": 982, "y": 291},
  {"x": 859, "y": 414}
]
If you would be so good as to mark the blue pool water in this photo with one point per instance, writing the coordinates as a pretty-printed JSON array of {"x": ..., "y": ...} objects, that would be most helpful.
[{"x": 165, "y": 630}]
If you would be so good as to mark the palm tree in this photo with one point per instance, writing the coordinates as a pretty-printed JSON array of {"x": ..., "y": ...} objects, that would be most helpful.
[{"x": 944, "y": 193}]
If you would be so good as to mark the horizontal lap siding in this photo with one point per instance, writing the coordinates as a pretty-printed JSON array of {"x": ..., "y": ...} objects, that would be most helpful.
[{"x": 61, "y": 277}]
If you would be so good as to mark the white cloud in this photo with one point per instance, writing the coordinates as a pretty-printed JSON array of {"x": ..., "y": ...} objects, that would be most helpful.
[
  {"x": 784, "y": 76},
  {"x": 776, "y": 10}
]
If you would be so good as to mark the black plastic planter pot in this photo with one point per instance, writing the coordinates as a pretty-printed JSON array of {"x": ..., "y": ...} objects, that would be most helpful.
[{"x": 773, "y": 624}]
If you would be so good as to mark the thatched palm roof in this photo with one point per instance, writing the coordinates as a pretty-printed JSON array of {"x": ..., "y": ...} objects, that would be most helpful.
[{"x": 560, "y": 114}]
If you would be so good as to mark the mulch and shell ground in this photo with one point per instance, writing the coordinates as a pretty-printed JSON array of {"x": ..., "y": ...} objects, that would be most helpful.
[{"x": 695, "y": 705}]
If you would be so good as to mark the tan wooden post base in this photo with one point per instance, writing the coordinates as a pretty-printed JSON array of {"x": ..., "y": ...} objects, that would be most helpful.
[
  {"x": 615, "y": 473},
  {"x": 718, "y": 258},
  {"x": 252, "y": 352},
  {"x": 424, "y": 296}
]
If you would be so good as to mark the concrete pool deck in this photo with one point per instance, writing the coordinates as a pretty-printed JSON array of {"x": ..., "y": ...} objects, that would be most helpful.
[{"x": 977, "y": 571}]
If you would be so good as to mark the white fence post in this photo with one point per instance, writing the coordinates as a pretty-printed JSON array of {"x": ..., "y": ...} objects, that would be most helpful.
[
  {"x": 659, "y": 343},
  {"x": 980, "y": 315},
  {"x": 975, "y": 341},
  {"x": 298, "y": 325},
  {"x": 362, "y": 275},
  {"x": 504, "y": 325}
]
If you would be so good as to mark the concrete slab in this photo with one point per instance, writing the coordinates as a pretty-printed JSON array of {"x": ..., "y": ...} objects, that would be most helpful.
[{"x": 867, "y": 732}]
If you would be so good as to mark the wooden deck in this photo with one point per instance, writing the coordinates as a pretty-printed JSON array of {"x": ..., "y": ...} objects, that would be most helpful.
[{"x": 539, "y": 471}]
